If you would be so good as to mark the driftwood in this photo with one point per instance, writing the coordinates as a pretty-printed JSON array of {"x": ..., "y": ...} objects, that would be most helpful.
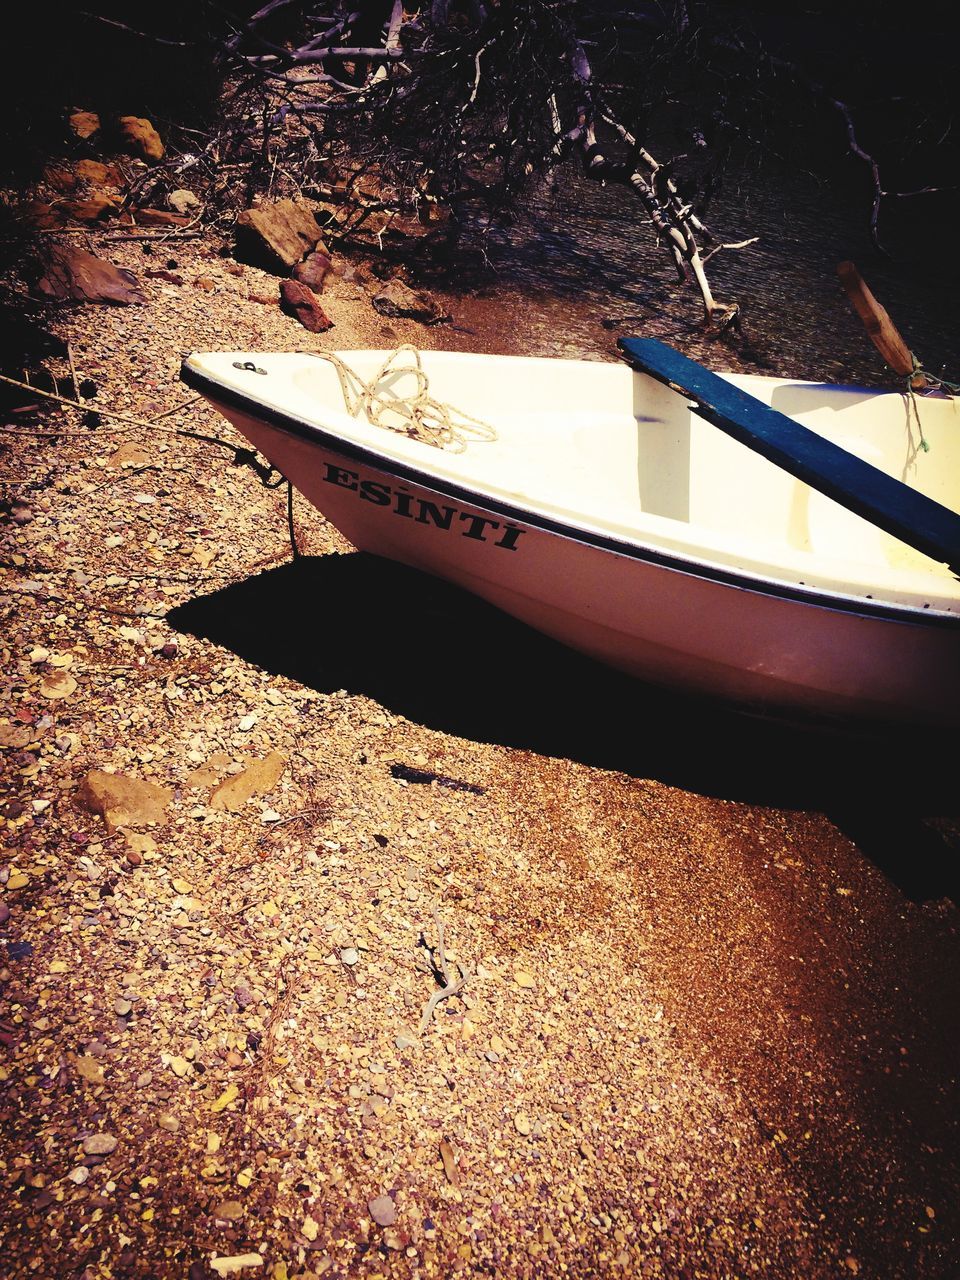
[{"x": 883, "y": 333}]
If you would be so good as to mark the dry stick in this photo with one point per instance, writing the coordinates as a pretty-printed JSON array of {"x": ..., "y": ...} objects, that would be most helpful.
[
  {"x": 453, "y": 985},
  {"x": 883, "y": 333},
  {"x": 73, "y": 374},
  {"x": 104, "y": 413}
]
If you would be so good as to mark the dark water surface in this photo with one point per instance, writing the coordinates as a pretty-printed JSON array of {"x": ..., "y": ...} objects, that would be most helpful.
[{"x": 578, "y": 254}]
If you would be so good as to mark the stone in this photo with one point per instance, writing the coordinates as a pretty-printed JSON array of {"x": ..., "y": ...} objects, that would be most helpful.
[
  {"x": 129, "y": 455},
  {"x": 123, "y": 801},
  {"x": 58, "y": 684},
  {"x": 397, "y": 299},
  {"x": 284, "y": 230},
  {"x": 99, "y": 1144},
  {"x": 229, "y": 1210},
  {"x": 300, "y": 302},
  {"x": 90, "y": 1069},
  {"x": 313, "y": 270},
  {"x": 79, "y": 1175},
  {"x": 84, "y": 124},
  {"x": 524, "y": 979},
  {"x": 448, "y": 1156},
  {"x": 238, "y": 1262},
  {"x": 522, "y": 1123},
  {"x": 141, "y": 137},
  {"x": 146, "y": 217},
  {"x": 383, "y": 1211},
  {"x": 183, "y": 201},
  {"x": 72, "y": 274},
  {"x": 94, "y": 209},
  {"x": 257, "y": 779},
  {"x": 104, "y": 175}
]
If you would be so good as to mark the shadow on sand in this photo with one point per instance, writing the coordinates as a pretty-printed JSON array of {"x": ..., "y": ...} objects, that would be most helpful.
[{"x": 442, "y": 658}]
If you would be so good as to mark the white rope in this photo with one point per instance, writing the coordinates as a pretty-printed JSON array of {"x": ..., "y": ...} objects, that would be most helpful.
[{"x": 417, "y": 415}]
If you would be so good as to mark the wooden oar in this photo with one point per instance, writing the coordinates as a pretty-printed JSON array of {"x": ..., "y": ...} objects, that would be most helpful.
[
  {"x": 884, "y": 334},
  {"x": 857, "y": 485}
]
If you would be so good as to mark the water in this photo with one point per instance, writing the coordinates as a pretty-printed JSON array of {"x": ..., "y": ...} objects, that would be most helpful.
[{"x": 580, "y": 254}]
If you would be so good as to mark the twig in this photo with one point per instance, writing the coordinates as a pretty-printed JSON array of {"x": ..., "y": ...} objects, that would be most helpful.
[
  {"x": 73, "y": 374},
  {"x": 452, "y": 985}
]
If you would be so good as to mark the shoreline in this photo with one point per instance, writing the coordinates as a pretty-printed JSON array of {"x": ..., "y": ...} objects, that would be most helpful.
[{"x": 704, "y": 1032}]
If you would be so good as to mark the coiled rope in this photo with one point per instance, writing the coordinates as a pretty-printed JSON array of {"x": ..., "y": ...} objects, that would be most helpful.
[{"x": 418, "y": 414}]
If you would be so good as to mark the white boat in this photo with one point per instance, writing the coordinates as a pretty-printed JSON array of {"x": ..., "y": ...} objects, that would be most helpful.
[{"x": 607, "y": 511}]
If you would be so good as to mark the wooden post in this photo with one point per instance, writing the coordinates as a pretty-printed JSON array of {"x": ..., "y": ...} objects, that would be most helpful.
[{"x": 884, "y": 334}]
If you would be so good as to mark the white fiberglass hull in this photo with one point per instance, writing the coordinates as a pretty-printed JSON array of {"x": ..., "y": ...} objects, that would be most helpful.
[{"x": 667, "y": 618}]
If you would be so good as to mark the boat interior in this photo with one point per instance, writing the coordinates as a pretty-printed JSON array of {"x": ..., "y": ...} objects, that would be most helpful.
[{"x": 597, "y": 446}]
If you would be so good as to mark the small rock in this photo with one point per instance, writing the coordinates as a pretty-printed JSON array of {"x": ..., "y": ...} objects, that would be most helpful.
[
  {"x": 4, "y": 913},
  {"x": 73, "y": 274},
  {"x": 383, "y": 1211},
  {"x": 122, "y": 1007},
  {"x": 300, "y": 302},
  {"x": 84, "y": 124},
  {"x": 309, "y": 1228},
  {"x": 397, "y": 299},
  {"x": 449, "y": 1159},
  {"x": 313, "y": 270},
  {"x": 524, "y": 979},
  {"x": 169, "y": 1122},
  {"x": 257, "y": 779},
  {"x": 79, "y": 1175},
  {"x": 104, "y": 175},
  {"x": 229, "y": 1210},
  {"x": 99, "y": 1144},
  {"x": 205, "y": 283},
  {"x": 123, "y": 801},
  {"x": 522, "y": 1123},
  {"x": 141, "y": 137},
  {"x": 283, "y": 229},
  {"x": 90, "y": 1069},
  {"x": 58, "y": 684},
  {"x": 349, "y": 955},
  {"x": 182, "y": 201},
  {"x": 18, "y": 880},
  {"x": 238, "y": 1262}
]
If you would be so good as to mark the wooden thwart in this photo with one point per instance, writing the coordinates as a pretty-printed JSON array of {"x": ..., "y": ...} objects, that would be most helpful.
[{"x": 857, "y": 485}]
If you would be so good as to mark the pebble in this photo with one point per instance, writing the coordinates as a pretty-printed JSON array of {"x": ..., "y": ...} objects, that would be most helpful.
[
  {"x": 383, "y": 1211},
  {"x": 4, "y": 913},
  {"x": 524, "y": 979},
  {"x": 79, "y": 1175},
  {"x": 229, "y": 1210},
  {"x": 522, "y": 1123},
  {"x": 238, "y": 1262},
  {"x": 99, "y": 1144},
  {"x": 122, "y": 1007}
]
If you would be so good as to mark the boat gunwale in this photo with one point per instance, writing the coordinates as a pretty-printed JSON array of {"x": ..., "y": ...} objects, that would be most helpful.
[{"x": 824, "y": 598}]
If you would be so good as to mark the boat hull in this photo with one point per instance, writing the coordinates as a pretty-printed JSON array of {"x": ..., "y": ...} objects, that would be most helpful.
[{"x": 762, "y": 646}]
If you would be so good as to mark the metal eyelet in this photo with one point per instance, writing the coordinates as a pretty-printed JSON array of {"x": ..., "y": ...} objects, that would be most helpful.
[{"x": 248, "y": 365}]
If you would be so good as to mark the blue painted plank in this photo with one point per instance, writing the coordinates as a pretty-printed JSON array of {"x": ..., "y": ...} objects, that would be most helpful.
[{"x": 857, "y": 485}]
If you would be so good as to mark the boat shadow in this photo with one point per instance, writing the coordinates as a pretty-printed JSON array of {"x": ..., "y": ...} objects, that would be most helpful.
[{"x": 444, "y": 659}]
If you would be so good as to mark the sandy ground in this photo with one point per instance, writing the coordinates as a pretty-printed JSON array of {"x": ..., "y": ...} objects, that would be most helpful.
[{"x": 708, "y": 1022}]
